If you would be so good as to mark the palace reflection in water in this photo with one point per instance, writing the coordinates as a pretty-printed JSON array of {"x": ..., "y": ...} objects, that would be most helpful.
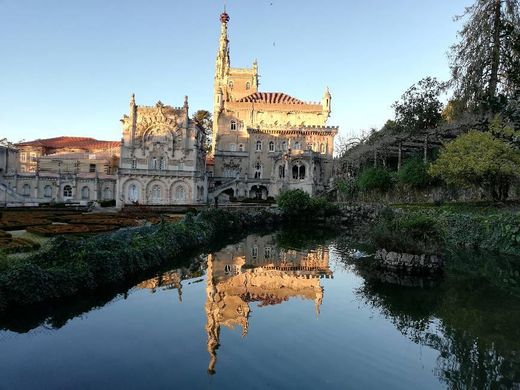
[{"x": 256, "y": 270}]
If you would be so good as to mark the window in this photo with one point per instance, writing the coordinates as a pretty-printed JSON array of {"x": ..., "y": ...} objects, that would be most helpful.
[
  {"x": 154, "y": 163},
  {"x": 241, "y": 147},
  {"x": 47, "y": 191},
  {"x": 323, "y": 149},
  {"x": 23, "y": 157},
  {"x": 162, "y": 163},
  {"x": 134, "y": 164},
  {"x": 254, "y": 252},
  {"x": 133, "y": 193},
  {"x": 271, "y": 146},
  {"x": 258, "y": 170},
  {"x": 302, "y": 172},
  {"x": 309, "y": 146},
  {"x": 284, "y": 146},
  {"x": 248, "y": 85},
  {"x": 296, "y": 145},
  {"x": 281, "y": 171},
  {"x": 233, "y": 125},
  {"x": 85, "y": 193},
  {"x": 267, "y": 252},
  {"x": 156, "y": 193},
  {"x": 92, "y": 168},
  {"x": 233, "y": 147},
  {"x": 227, "y": 269},
  {"x": 298, "y": 171},
  {"x": 33, "y": 157},
  {"x": 180, "y": 193},
  {"x": 258, "y": 146},
  {"x": 26, "y": 190},
  {"x": 107, "y": 193},
  {"x": 230, "y": 83},
  {"x": 67, "y": 191}
]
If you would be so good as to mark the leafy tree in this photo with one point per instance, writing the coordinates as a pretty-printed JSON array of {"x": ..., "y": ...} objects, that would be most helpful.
[
  {"x": 478, "y": 159},
  {"x": 485, "y": 64},
  {"x": 419, "y": 107},
  {"x": 298, "y": 205},
  {"x": 374, "y": 179},
  {"x": 204, "y": 120},
  {"x": 453, "y": 110}
]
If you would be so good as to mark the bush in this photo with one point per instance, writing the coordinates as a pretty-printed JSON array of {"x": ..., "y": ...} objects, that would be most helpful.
[
  {"x": 298, "y": 205},
  {"x": 414, "y": 173},
  {"x": 347, "y": 188},
  {"x": 374, "y": 179},
  {"x": 407, "y": 233}
]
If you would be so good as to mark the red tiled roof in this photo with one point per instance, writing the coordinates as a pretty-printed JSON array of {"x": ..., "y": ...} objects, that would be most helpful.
[
  {"x": 270, "y": 97},
  {"x": 72, "y": 142}
]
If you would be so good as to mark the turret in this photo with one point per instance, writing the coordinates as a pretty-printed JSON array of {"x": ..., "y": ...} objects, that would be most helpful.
[
  {"x": 222, "y": 65},
  {"x": 133, "y": 119},
  {"x": 326, "y": 102}
]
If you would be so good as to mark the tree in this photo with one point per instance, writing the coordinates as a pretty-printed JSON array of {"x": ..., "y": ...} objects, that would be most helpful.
[
  {"x": 485, "y": 64},
  {"x": 204, "y": 120},
  {"x": 478, "y": 159},
  {"x": 419, "y": 107},
  {"x": 414, "y": 173},
  {"x": 374, "y": 179}
]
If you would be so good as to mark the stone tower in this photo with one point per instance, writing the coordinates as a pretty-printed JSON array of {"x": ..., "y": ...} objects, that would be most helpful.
[{"x": 230, "y": 84}]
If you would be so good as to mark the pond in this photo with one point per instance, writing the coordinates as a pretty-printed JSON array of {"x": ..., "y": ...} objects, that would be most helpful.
[{"x": 278, "y": 311}]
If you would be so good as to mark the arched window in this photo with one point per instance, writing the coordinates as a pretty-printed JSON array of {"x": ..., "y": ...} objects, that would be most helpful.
[
  {"x": 258, "y": 170},
  {"x": 230, "y": 83},
  {"x": 258, "y": 146},
  {"x": 248, "y": 85},
  {"x": 162, "y": 163},
  {"x": 296, "y": 145},
  {"x": 271, "y": 146},
  {"x": 180, "y": 193},
  {"x": 26, "y": 190},
  {"x": 281, "y": 171},
  {"x": 295, "y": 172},
  {"x": 302, "y": 172},
  {"x": 233, "y": 125},
  {"x": 156, "y": 193},
  {"x": 67, "y": 191},
  {"x": 298, "y": 171},
  {"x": 107, "y": 193},
  {"x": 241, "y": 147},
  {"x": 284, "y": 146},
  {"x": 254, "y": 252},
  {"x": 134, "y": 164},
  {"x": 233, "y": 147},
  {"x": 47, "y": 191},
  {"x": 267, "y": 252},
  {"x": 85, "y": 193},
  {"x": 322, "y": 149},
  {"x": 153, "y": 163},
  {"x": 133, "y": 193}
]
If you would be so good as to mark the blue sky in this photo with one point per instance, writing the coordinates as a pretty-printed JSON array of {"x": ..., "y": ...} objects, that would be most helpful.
[{"x": 68, "y": 67}]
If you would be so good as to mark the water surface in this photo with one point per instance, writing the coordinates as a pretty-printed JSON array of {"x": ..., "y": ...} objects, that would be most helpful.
[{"x": 278, "y": 311}]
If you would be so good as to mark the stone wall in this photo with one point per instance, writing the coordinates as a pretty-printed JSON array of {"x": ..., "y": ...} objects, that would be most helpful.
[{"x": 410, "y": 263}]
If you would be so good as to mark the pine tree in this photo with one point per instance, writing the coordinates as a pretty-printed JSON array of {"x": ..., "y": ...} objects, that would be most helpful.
[{"x": 485, "y": 63}]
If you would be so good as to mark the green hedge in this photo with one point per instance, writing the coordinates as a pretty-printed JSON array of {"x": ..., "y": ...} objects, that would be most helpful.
[
  {"x": 70, "y": 267},
  {"x": 374, "y": 179},
  {"x": 299, "y": 205}
]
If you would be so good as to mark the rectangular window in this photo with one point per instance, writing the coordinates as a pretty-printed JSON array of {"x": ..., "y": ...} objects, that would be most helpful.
[
  {"x": 23, "y": 157},
  {"x": 92, "y": 168}
]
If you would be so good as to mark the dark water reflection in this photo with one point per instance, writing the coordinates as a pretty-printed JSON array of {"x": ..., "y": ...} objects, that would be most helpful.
[{"x": 287, "y": 310}]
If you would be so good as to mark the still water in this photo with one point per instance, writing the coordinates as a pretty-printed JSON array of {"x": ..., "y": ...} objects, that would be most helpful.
[{"x": 277, "y": 312}]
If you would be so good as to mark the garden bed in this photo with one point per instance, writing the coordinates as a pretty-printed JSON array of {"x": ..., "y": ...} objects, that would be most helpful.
[{"x": 53, "y": 230}]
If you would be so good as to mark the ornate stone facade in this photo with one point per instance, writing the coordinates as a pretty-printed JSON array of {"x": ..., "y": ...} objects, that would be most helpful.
[
  {"x": 265, "y": 142},
  {"x": 162, "y": 157}
]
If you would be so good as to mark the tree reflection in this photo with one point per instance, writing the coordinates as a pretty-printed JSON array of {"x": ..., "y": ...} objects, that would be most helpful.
[{"x": 471, "y": 320}]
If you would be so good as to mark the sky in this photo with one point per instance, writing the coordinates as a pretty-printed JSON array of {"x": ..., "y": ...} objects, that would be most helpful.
[{"x": 69, "y": 67}]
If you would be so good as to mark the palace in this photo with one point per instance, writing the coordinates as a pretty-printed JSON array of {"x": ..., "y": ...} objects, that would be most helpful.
[
  {"x": 266, "y": 142},
  {"x": 263, "y": 143}
]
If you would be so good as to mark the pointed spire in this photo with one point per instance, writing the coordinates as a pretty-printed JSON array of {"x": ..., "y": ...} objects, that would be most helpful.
[
  {"x": 132, "y": 100},
  {"x": 223, "y": 50}
]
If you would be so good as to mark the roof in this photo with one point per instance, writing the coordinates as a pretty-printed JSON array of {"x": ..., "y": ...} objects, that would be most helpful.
[
  {"x": 271, "y": 97},
  {"x": 78, "y": 156},
  {"x": 72, "y": 142}
]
